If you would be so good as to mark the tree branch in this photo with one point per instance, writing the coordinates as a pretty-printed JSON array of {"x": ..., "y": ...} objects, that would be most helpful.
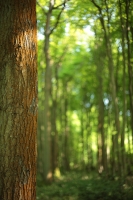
[
  {"x": 100, "y": 12},
  {"x": 101, "y": 17},
  {"x": 59, "y": 15},
  {"x": 56, "y": 7},
  {"x": 99, "y": 8},
  {"x": 41, "y": 7}
]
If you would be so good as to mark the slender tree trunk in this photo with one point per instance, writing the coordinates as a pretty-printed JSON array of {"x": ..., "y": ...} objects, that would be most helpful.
[
  {"x": 111, "y": 67},
  {"x": 54, "y": 136},
  {"x": 47, "y": 117},
  {"x": 18, "y": 100},
  {"x": 124, "y": 92},
  {"x": 61, "y": 128},
  {"x": 82, "y": 122},
  {"x": 48, "y": 30},
  {"x": 112, "y": 78},
  {"x": 40, "y": 142},
  {"x": 46, "y": 138},
  {"x": 114, "y": 102},
  {"x": 101, "y": 137},
  {"x": 88, "y": 140},
  {"x": 66, "y": 129},
  {"x": 130, "y": 70},
  {"x": 102, "y": 158}
]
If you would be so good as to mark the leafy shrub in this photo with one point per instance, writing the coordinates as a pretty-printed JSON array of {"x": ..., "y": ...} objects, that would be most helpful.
[
  {"x": 82, "y": 187},
  {"x": 103, "y": 189}
]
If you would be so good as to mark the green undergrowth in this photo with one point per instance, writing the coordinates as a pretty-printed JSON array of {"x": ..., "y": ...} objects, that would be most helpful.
[{"x": 75, "y": 186}]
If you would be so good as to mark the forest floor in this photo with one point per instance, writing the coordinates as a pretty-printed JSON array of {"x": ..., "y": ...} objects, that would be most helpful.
[{"x": 80, "y": 186}]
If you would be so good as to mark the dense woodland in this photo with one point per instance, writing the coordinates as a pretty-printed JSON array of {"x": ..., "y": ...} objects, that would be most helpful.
[{"x": 85, "y": 88}]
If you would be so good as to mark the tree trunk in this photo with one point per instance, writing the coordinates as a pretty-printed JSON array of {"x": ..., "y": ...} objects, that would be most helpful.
[
  {"x": 54, "y": 136},
  {"x": 102, "y": 155},
  {"x": 123, "y": 157},
  {"x": 18, "y": 100},
  {"x": 54, "y": 146},
  {"x": 82, "y": 135},
  {"x": 111, "y": 74},
  {"x": 46, "y": 138},
  {"x": 47, "y": 150},
  {"x": 66, "y": 128},
  {"x": 130, "y": 70}
]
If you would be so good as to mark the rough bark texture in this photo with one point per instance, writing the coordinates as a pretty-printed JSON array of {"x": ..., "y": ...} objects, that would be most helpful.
[{"x": 18, "y": 100}]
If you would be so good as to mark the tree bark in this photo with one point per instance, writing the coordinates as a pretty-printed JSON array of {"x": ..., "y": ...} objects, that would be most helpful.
[{"x": 18, "y": 100}]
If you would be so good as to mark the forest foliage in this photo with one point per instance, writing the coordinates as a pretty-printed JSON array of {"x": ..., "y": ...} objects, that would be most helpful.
[{"x": 85, "y": 90}]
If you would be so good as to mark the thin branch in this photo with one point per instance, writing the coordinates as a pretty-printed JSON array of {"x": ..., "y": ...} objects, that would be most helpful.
[
  {"x": 101, "y": 18},
  {"x": 108, "y": 13},
  {"x": 100, "y": 12},
  {"x": 41, "y": 8},
  {"x": 58, "y": 17},
  {"x": 57, "y": 21},
  {"x": 56, "y": 7},
  {"x": 99, "y": 8}
]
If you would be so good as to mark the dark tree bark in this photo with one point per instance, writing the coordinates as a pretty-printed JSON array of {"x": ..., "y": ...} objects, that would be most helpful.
[{"x": 18, "y": 100}]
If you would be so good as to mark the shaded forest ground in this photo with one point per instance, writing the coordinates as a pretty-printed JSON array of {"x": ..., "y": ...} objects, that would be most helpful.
[{"x": 81, "y": 186}]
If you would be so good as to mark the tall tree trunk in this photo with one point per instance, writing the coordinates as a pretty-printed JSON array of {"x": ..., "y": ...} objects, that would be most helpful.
[
  {"x": 40, "y": 141},
  {"x": 82, "y": 122},
  {"x": 102, "y": 156},
  {"x": 18, "y": 100},
  {"x": 124, "y": 92},
  {"x": 101, "y": 135},
  {"x": 54, "y": 111},
  {"x": 112, "y": 77},
  {"x": 130, "y": 70},
  {"x": 61, "y": 127},
  {"x": 47, "y": 167},
  {"x": 54, "y": 136},
  {"x": 48, "y": 30},
  {"x": 66, "y": 129},
  {"x": 114, "y": 100}
]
